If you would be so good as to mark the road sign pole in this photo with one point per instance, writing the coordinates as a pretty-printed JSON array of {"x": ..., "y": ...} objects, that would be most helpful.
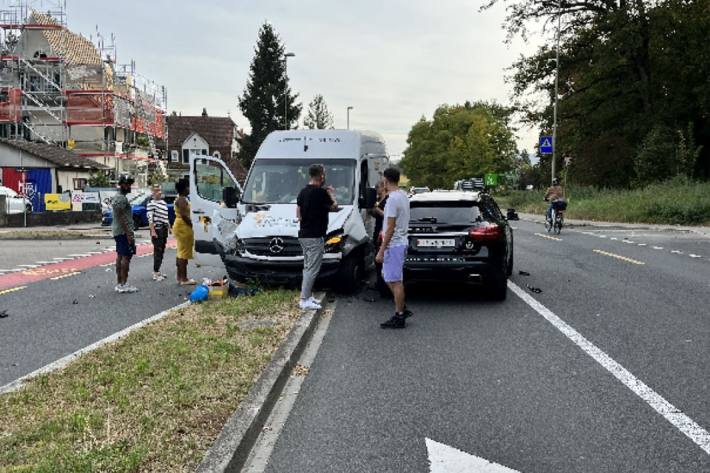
[{"x": 557, "y": 88}]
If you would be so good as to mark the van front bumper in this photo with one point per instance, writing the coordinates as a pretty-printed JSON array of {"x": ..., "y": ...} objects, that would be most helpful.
[{"x": 273, "y": 272}]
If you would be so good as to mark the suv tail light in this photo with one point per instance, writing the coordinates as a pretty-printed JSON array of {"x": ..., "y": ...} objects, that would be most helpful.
[{"x": 485, "y": 231}]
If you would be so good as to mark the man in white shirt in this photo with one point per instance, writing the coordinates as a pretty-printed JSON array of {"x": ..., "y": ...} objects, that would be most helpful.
[{"x": 393, "y": 250}]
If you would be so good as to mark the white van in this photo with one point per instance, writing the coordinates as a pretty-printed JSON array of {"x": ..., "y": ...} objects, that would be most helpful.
[{"x": 254, "y": 231}]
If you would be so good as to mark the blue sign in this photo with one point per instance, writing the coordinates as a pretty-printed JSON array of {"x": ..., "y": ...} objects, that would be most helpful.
[{"x": 545, "y": 145}]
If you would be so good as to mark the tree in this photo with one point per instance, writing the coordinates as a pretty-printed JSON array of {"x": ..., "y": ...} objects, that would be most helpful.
[
  {"x": 318, "y": 115},
  {"x": 460, "y": 142},
  {"x": 267, "y": 94},
  {"x": 98, "y": 179}
]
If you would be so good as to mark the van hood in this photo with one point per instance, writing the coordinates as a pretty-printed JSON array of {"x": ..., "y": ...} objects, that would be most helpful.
[{"x": 280, "y": 220}]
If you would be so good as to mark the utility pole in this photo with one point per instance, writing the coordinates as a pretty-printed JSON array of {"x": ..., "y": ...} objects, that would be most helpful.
[
  {"x": 348, "y": 114},
  {"x": 286, "y": 56},
  {"x": 557, "y": 89}
]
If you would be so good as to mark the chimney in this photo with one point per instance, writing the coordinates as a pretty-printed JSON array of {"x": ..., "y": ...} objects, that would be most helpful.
[{"x": 204, "y": 112}]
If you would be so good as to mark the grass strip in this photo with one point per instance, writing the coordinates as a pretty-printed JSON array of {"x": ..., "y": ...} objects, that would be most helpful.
[
  {"x": 154, "y": 401},
  {"x": 672, "y": 203}
]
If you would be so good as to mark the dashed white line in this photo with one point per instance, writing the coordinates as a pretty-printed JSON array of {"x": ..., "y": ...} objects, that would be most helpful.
[
  {"x": 672, "y": 414},
  {"x": 84, "y": 255},
  {"x": 695, "y": 256},
  {"x": 44, "y": 262},
  {"x": 676, "y": 252},
  {"x": 62, "y": 259},
  {"x": 657, "y": 247},
  {"x": 28, "y": 266},
  {"x": 643, "y": 244}
]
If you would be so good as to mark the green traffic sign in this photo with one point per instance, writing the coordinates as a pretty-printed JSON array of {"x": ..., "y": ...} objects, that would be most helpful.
[{"x": 491, "y": 179}]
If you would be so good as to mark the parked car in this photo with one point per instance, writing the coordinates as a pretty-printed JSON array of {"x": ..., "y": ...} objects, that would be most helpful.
[
  {"x": 16, "y": 204},
  {"x": 139, "y": 206},
  {"x": 418, "y": 190},
  {"x": 459, "y": 236}
]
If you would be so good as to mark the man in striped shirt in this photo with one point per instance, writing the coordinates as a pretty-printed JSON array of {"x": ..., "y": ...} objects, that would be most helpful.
[{"x": 159, "y": 227}]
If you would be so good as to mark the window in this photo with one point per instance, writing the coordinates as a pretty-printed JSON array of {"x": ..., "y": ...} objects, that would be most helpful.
[
  {"x": 174, "y": 156},
  {"x": 217, "y": 155},
  {"x": 79, "y": 183},
  {"x": 450, "y": 213},
  {"x": 211, "y": 178},
  {"x": 187, "y": 152}
]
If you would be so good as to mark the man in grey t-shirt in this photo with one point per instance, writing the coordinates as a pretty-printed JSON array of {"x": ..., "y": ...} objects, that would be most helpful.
[{"x": 393, "y": 250}]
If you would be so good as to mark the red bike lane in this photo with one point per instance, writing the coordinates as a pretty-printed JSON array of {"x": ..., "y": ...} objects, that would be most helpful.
[{"x": 54, "y": 270}]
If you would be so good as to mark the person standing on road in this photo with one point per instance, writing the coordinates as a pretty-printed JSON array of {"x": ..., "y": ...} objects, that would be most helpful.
[
  {"x": 122, "y": 228},
  {"x": 314, "y": 204},
  {"x": 184, "y": 234},
  {"x": 159, "y": 224},
  {"x": 393, "y": 250},
  {"x": 379, "y": 211}
]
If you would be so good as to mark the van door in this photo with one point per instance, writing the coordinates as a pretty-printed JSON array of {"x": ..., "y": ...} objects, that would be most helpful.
[{"x": 213, "y": 191}]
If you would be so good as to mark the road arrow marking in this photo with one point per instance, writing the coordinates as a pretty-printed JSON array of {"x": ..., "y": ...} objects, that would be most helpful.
[{"x": 445, "y": 459}]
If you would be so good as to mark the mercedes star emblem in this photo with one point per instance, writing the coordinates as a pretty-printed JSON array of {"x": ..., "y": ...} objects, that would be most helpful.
[{"x": 276, "y": 245}]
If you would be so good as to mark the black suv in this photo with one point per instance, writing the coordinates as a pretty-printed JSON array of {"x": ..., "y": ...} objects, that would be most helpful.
[{"x": 459, "y": 236}]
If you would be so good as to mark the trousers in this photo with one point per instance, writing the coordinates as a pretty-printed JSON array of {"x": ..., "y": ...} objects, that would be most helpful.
[{"x": 313, "y": 249}]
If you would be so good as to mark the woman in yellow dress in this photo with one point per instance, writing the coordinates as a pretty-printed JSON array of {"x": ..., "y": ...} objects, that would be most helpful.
[{"x": 182, "y": 229}]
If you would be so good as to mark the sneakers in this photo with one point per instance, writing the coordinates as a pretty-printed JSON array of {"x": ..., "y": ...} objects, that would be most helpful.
[
  {"x": 397, "y": 321},
  {"x": 158, "y": 276},
  {"x": 125, "y": 289},
  {"x": 309, "y": 304},
  {"x": 314, "y": 300}
]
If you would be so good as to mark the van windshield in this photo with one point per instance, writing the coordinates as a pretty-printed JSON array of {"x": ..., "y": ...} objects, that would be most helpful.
[{"x": 278, "y": 181}]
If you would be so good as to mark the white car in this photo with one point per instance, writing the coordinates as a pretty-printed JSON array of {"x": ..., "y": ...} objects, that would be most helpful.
[{"x": 16, "y": 204}]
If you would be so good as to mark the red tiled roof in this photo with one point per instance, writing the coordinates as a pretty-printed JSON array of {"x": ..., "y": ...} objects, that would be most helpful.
[{"x": 74, "y": 48}]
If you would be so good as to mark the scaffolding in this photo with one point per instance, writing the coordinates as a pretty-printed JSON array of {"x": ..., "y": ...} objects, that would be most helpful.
[{"x": 82, "y": 100}]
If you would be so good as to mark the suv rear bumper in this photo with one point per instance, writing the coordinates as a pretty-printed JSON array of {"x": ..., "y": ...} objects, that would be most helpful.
[{"x": 467, "y": 271}]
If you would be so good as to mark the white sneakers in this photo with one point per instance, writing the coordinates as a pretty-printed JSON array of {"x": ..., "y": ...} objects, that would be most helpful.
[
  {"x": 310, "y": 304},
  {"x": 125, "y": 289},
  {"x": 159, "y": 276}
]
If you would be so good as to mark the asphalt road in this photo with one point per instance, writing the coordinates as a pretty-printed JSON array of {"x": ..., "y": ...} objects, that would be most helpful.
[
  {"x": 501, "y": 382},
  {"x": 52, "y": 318}
]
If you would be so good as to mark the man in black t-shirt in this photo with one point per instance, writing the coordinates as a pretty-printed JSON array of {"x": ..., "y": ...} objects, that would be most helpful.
[{"x": 314, "y": 205}]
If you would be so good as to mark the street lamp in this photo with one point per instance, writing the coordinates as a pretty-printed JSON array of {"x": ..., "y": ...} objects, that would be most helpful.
[
  {"x": 557, "y": 87},
  {"x": 348, "y": 113},
  {"x": 286, "y": 56}
]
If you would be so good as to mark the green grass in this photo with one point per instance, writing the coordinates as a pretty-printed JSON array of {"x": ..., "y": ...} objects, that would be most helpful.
[
  {"x": 674, "y": 203},
  {"x": 154, "y": 401}
]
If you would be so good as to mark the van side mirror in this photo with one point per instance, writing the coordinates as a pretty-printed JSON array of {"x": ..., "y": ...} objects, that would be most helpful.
[
  {"x": 512, "y": 215},
  {"x": 230, "y": 197},
  {"x": 369, "y": 199}
]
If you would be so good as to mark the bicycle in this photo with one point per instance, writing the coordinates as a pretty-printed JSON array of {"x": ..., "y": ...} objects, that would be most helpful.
[{"x": 557, "y": 217}]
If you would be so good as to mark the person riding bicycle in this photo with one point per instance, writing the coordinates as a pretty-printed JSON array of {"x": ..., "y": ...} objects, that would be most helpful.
[{"x": 556, "y": 196}]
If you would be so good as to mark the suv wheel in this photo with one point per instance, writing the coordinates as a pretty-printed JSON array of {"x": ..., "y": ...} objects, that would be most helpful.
[
  {"x": 509, "y": 269},
  {"x": 498, "y": 284}
]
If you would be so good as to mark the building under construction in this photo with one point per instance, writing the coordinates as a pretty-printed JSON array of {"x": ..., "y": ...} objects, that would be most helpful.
[{"x": 61, "y": 88}]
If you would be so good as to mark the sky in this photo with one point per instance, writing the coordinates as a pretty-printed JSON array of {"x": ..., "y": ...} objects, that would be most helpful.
[{"x": 394, "y": 61}]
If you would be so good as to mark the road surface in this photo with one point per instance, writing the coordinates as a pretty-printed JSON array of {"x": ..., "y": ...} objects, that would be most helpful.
[{"x": 605, "y": 370}]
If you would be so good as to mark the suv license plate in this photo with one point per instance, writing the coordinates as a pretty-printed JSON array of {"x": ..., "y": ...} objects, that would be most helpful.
[{"x": 431, "y": 243}]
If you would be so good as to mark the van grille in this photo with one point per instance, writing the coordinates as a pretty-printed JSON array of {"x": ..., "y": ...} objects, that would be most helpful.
[{"x": 273, "y": 246}]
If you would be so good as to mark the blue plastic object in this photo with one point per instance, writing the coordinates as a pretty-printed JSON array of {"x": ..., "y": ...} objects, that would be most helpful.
[{"x": 200, "y": 294}]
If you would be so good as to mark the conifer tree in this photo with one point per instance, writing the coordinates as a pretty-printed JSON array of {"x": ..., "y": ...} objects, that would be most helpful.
[
  {"x": 319, "y": 117},
  {"x": 267, "y": 94}
]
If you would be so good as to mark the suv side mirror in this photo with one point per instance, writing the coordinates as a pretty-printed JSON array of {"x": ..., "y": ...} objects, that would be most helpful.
[
  {"x": 230, "y": 197},
  {"x": 512, "y": 215},
  {"x": 369, "y": 199}
]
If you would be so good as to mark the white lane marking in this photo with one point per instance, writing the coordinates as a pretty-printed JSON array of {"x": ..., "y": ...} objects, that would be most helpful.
[
  {"x": 62, "y": 259},
  {"x": 548, "y": 237},
  {"x": 672, "y": 414},
  {"x": 695, "y": 256},
  {"x": 6, "y": 270},
  {"x": 628, "y": 242},
  {"x": 619, "y": 257},
  {"x": 30, "y": 266},
  {"x": 657, "y": 247},
  {"x": 676, "y": 252},
  {"x": 643, "y": 244},
  {"x": 45, "y": 262},
  {"x": 602, "y": 236},
  {"x": 83, "y": 255},
  {"x": 445, "y": 459},
  {"x": 64, "y": 276},
  {"x": 95, "y": 252},
  {"x": 614, "y": 239},
  {"x": 63, "y": 362}
]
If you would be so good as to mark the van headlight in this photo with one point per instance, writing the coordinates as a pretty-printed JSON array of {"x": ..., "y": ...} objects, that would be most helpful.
[{"x": 335, "y": 241}]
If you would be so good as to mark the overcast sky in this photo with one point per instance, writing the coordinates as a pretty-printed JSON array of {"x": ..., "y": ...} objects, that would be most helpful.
[{"x": 393, "y": 60}]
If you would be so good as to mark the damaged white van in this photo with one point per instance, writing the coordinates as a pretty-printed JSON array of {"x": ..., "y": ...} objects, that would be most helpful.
[{"x": 254, "y": 231}]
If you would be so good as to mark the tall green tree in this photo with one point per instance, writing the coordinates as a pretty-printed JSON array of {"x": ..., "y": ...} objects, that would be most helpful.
[
  {"x": 319, "y": 117},
  {"x": 267, "y": 95},
  {"x": 459, "y": 142}
]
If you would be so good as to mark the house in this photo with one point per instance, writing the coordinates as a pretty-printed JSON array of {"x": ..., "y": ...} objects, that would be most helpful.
[
  {"x": 203, "y": 135},
  {"x": 58, "y": 87},
  {"x": 35, "y": 169}
]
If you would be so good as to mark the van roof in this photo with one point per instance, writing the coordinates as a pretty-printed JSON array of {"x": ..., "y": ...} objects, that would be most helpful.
[{"x": 321, "y": 144}]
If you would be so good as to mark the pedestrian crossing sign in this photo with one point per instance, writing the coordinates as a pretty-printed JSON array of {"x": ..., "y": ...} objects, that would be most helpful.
[{"x": 545, "y": 145}]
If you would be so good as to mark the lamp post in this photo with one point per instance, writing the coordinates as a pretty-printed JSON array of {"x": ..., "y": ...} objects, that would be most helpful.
[
  {"x": 348, "y": 114},
  {"x": 286, "y": 56},
  {"x": 557, "y": 87}
]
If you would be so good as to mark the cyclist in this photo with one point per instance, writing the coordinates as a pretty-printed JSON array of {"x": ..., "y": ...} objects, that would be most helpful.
[{"x": 556, "y": 196}]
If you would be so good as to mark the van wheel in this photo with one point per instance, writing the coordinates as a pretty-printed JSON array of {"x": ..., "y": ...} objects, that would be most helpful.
[
  {"x": 346, "y": 278},
  {"x": 498, "y": 285}
]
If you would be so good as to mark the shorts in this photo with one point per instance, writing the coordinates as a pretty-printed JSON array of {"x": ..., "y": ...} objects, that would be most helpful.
[
  {"x": 123, "y": 248},
  {"x": 393, "y": 265}
]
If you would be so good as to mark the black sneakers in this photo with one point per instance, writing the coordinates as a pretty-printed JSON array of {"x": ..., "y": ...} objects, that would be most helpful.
[{"x": 397, "y": 321}]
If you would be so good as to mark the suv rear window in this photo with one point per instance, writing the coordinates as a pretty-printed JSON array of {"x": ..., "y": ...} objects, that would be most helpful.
[{"x": 445, "y": 212}]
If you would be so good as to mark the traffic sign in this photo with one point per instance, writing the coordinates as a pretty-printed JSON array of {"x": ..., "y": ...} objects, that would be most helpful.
[
  {"x": 545, "y": 145},
  {"x": 491, "y": 179}
]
